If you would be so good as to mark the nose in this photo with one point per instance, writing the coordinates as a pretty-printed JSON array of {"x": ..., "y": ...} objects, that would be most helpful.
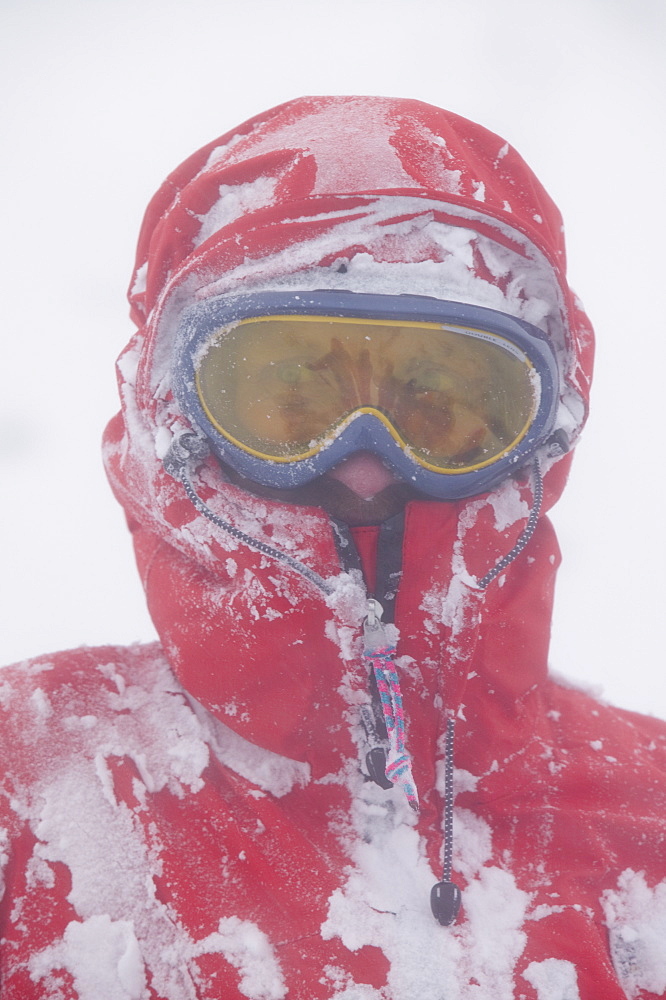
[{"x": 364, "y": 473}]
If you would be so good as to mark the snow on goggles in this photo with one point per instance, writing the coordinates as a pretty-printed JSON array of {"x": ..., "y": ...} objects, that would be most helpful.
[{"x": 286, "y": 385}]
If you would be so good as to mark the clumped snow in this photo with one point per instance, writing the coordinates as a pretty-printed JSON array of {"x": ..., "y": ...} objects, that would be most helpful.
[
  {"x": 528, "y": 290},
  {"x": 112, "y": 860},
  {"x": 104, "y": 959},
  {"x": 636, "y": 918},
  {"x": 41, "y": 704},
  {"x": 269, "y": 771},
  {"x": 248, "y": 949},
  {"x": 508, "y": 505},
  {"x": 234, "y": 201},
  {"x": 348, "y": 598},
  {"x": 479, "y": 190},
  {"x": 385, "y": 902},
  {"x": 139, "y": 283},
  {"x": 102, "y": 956},
  {"x": 553, "y": 979}
]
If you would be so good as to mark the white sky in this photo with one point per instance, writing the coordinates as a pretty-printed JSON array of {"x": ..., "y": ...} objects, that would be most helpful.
[{"x": 102, "y": 98}]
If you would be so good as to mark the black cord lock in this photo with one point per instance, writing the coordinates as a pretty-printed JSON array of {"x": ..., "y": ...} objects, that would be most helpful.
[{"x": 445, "y": 900}]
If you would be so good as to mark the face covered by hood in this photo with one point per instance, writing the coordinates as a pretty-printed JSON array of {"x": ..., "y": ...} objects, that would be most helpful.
[{"x": 376, "y": 196}]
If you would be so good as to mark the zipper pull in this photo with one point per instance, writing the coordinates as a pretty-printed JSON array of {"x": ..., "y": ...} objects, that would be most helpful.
[
  {"x": 375, "y": 759},
  {"x": 375, "y": 612},
  {"x": 374, "y": 629},
  {"x": 379, "y": 653}
]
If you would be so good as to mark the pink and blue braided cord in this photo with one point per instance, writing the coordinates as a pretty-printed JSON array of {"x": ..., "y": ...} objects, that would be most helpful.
[{"x": 398, "y": 762}]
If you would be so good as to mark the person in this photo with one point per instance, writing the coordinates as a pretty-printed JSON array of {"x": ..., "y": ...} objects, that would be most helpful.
[{"x": 344, "y": 772}]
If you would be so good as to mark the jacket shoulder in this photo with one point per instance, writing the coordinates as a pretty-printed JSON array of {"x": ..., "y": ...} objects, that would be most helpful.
[
  {"x": 76, "y": 676},
  {"x": 578, "y": 712},
  {"x": 95, "y": 704},
  {"x": 615, "y": 757},
  {"x": 83, "y": 658}
]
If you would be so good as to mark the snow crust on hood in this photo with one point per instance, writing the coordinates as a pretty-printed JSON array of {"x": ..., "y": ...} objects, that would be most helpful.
[
  {"x": 398, "y": 246},
  {"x": 516, "y": 280},
  {"x": 410, "y": 198}
]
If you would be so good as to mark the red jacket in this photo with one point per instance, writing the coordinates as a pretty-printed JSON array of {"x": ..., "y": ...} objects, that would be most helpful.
[{"x": 191, "y": 819}]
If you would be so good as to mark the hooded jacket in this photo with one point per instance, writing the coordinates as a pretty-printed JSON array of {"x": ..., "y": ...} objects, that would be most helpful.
[{"x": 194, "y": 819}]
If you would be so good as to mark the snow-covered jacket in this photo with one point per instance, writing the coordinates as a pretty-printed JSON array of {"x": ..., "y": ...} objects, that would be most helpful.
[{"x": 194, "y": 819}]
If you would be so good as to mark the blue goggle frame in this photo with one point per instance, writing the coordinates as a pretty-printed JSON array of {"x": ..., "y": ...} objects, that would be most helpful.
[{"x": 365, "y": 432}]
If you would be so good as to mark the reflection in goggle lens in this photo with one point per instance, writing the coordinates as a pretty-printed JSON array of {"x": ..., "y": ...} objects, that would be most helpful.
[{"x": 281, "y": 387}]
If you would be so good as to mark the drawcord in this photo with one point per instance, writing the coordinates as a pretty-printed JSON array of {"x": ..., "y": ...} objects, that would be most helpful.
[
  {"x": 448, "y": 799},
  {"x": 385, "y": 769},
  {"x": 188, "y": 446},
  {"x": 445, "y": 896},
  {"x": 378, "y": 653},
  {"x": 525, "y": 534}
]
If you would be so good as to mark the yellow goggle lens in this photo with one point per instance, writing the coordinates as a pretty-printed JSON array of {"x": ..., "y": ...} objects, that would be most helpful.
[{"x": 281, "y": 387}]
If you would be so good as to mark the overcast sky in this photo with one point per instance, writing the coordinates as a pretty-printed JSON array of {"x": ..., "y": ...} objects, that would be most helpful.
[{"x": 102, "y": 98}]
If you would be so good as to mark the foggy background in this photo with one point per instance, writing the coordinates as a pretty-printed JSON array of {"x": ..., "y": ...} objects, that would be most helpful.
[{"x": 102, "y": 98}]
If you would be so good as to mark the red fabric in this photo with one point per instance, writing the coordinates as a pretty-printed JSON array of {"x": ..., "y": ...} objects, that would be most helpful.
[
  {"x": 179, "y": 843},
  {"x": 366, "y": 539}
]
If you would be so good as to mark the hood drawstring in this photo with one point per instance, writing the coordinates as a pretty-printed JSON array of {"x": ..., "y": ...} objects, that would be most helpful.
[
  {"x": 387, "y": 760},
  {"x": 445, "y": 896},
  {"x": 189, "y": 446},
  {"x": 385, "y": 768},
  {"x": 525, "y": 534}
]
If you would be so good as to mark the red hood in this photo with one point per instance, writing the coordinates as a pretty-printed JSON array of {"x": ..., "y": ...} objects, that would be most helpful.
[{"x": 409, "y": 198}]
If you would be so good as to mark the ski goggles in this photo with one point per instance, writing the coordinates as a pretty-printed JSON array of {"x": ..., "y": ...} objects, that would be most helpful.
[{"x": 286, "y": 385}]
